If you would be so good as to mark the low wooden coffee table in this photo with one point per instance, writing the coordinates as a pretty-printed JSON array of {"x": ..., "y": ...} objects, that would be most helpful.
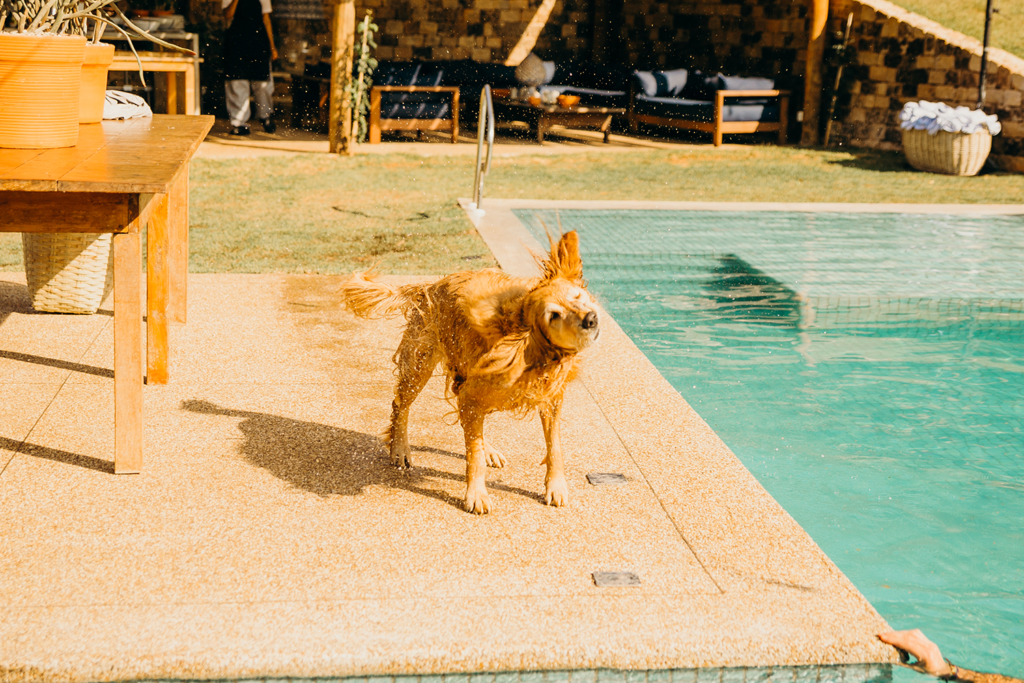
[{"x": 544, "y": 116}]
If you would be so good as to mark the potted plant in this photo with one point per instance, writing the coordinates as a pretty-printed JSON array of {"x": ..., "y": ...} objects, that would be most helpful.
[
  {"x": 42, "y": 50},
  {"x": 96, "y": 65}
]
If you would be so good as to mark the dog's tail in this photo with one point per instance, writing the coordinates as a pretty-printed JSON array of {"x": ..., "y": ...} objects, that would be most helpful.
[{"x": 368, "y": 298}]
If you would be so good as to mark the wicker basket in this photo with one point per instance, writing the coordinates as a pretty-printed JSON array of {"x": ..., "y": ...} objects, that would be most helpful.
[
  {"x": 68, "y": 272},
  {"x": 948, "y": 153}
]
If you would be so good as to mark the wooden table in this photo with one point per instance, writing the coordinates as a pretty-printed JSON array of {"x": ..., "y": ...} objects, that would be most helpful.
[
  {"x": 171, "y": 64},
  {"x": 122, "y": 176},
  {"x": 544, "y": 116},
  {"x": 125, "y": 61}
]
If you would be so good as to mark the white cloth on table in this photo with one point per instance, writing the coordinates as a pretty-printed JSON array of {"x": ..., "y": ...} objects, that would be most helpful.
[
  {"x": 936, "y": 116},
  {"x": 237, "y": 99},
  {"x": 122, "y": 105}
]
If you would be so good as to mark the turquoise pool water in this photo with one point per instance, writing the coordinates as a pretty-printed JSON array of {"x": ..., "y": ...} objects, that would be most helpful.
[{"x": 869, "y": 370}]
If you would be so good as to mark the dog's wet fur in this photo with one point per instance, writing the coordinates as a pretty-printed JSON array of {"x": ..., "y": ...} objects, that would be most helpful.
[{"x": 505, "y": 343}]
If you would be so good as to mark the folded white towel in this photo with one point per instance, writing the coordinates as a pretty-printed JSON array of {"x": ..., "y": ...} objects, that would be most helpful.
[
  {"x": 936, "y": 116},
  {"x": 122, "y": 105}
]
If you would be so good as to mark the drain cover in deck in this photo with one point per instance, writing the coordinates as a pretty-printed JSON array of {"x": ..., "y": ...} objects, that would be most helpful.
[
  {"x": 603, "y": 478},
  {"x": 615, "y": 579}
]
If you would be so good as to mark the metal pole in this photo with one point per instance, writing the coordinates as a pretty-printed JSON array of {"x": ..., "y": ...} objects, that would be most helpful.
[
  {"x": 984, "y": 55},
  {"x": 835, "y": 87}
]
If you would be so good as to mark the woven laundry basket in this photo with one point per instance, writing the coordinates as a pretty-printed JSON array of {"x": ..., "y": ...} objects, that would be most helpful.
[
  {"x": 68, "y": 272},
  {"x": 948, "y": 153}
]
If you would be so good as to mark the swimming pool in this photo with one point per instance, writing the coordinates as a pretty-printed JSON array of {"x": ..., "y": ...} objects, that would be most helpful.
[{"x": 868, "y": 369}]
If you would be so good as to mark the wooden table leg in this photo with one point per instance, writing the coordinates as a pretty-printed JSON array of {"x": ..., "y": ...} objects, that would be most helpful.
[
  {"x": 157, "y": 281},
  {"x": 177, "y": 309},
  {"x": 172, "y": 92},
  {"x": 606, "y": 128},
  {"x": 190, "y": 92},
  {"x": 455, "y": 116},
  {"x": 127, "y": 353},
  {"x": 541, "y": 127}
]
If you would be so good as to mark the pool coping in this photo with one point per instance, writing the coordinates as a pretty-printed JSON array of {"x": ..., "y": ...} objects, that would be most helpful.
[{"x": 501, "y": 205}]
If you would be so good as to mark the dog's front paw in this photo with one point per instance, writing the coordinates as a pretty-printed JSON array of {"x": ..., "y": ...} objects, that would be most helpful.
[
  {"x": 477, "y": 500},
  {"x": 494, "y": 456},
  {"x": 556, "y": 492},
  {"x": 401, "y": 458}
]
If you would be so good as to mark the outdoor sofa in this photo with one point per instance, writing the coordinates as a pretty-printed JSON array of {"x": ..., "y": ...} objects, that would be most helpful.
[
  {"x": 421, "y": 95},
  {"x": 414, "y": 95},
  {"x": 717, "y": 104}
]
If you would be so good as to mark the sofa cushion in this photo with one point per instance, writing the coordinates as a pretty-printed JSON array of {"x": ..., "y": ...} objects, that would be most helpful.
[
  {"x": 671, "y": 83},
  {"x": 396, "y": 73},
  {"x": 702, "y": 110},
  {"x": 646, "y": 83},
  {"x": 415, "y": 105},
  {"x": 742, "y": 83}
]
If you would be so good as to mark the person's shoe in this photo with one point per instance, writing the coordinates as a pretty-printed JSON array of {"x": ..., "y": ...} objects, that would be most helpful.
[
  {"x": 239, "y": 130},
  {"x": 268, "y": 125}
]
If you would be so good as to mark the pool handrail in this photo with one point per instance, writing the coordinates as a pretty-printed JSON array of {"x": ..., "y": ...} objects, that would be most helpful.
[{"x": 485, "y": 121}]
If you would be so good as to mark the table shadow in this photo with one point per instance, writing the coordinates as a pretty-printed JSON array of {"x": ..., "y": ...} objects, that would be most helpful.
[{"x": 56, "y": 455}]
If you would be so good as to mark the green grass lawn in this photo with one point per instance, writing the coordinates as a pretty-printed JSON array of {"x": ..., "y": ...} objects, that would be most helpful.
[
  {"x": 968, "y": 17},
  {"x": 325, "y": 214}
]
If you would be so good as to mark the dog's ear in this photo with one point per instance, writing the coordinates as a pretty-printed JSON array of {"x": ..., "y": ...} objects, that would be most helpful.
[{"x": 565, "y": 261}]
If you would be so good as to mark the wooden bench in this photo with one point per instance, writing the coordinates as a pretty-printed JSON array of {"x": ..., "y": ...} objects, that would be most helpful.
[
  {"x": 170, "y": 63},
  {"x": 377, "y": 124}
]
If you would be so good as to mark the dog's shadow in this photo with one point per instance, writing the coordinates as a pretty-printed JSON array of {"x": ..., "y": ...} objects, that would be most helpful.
[{"x": 329, "y": 461}]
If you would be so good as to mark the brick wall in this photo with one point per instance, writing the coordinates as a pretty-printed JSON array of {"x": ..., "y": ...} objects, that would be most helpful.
[
  {"x": 755, "y": 37},
  {"x": 901, "y": 57},
  {"x": 748, "y": 37}
]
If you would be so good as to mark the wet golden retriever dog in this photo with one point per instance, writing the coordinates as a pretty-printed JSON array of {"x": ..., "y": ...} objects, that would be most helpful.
[{"x": 505, "y": 343}]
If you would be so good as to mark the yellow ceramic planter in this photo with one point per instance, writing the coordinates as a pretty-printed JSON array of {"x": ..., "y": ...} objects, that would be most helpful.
[
  {"x": 94, "y": 82},
  {"x": 40, "y": 80}
]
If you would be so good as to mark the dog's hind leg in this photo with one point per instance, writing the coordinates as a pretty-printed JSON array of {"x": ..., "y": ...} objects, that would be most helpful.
[
  {"x": 556, "y": 490},
  {"x": 416, "y": 359}
]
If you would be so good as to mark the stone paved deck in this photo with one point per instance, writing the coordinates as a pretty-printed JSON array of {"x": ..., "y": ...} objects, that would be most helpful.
[{"x": 267, "y": 537}]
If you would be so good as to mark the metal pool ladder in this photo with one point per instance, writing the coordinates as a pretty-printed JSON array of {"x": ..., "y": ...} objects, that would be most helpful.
[{"x": 485, "y": 123}]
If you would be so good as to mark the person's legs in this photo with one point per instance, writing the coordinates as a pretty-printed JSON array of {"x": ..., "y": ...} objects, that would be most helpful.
[
  {"x": 263, "y": 93},
  {"x": 236, "y": 94}
]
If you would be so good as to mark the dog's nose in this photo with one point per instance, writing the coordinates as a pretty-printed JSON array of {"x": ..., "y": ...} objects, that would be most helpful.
[{"x": 590, "y": 321}]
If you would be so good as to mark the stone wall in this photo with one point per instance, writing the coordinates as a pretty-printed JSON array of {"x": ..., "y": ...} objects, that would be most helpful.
[
  {"x": 753, "y": 37},
  {"x": 743, "y": 37},
  {"x": 899, "y": 57},
  {"x": 482, "y": 30}
]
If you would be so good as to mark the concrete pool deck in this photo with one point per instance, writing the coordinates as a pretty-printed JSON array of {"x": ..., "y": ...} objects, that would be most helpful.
[{"x": 267, "y": 537}]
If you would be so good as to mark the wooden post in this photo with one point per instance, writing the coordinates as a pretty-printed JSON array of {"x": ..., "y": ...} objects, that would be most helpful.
[
  {"x": 812, "y": 76},
  {"x": 343, "y": 35}
]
